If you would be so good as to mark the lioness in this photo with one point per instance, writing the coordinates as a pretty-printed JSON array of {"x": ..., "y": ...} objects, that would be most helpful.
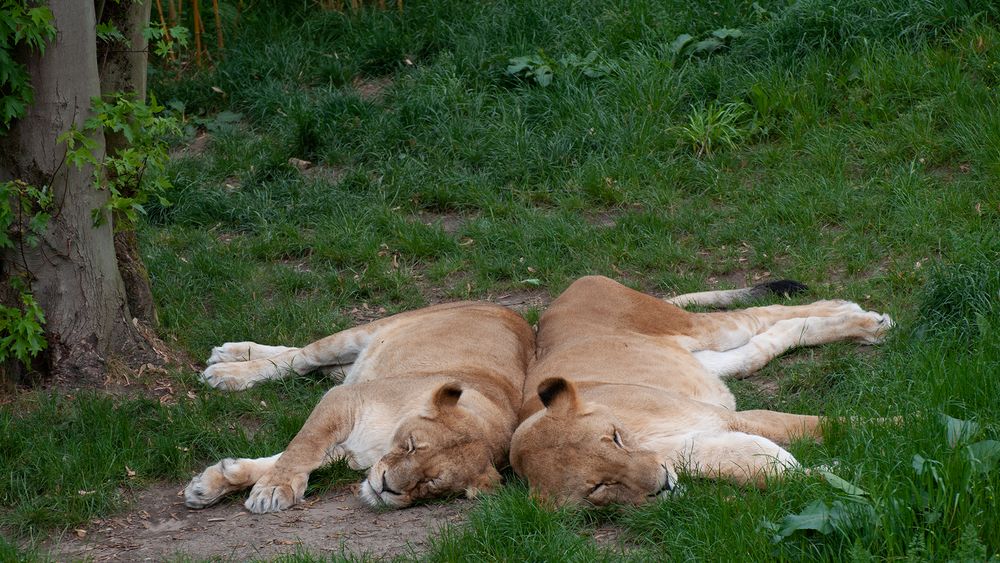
[
  {"x": 630, "y": 389},
  {"x": 428, "y": 403}
]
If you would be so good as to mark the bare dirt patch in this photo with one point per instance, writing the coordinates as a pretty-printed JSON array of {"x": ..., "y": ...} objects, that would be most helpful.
[
  {"x": 522, "y": 300},
  {"x": 321, "y": 172},
  {"x": 371, "y": 89},
  {"x": 325, "y": 173},
  {"x": 195, "y": 148},
  {"x": 365, "y": 313},
  {"x": 450, "y": 223},
  {"x": 766, "y": 385},
  {"x": 333, "y": 523},
  {"x": 610, "y": 536}
]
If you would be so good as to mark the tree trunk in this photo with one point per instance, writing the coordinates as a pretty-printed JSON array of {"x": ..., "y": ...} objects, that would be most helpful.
[
  {"x": 72, "y": 271},
  {"x": 122, "y": 68}
]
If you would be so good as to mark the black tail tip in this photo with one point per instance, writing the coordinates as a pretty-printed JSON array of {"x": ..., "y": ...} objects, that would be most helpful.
[{"x": 779, "y": 287}]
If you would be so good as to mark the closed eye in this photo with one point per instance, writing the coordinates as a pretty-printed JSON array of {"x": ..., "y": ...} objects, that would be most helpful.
[
  {"x": 596, "y": 488},
  {"x": 618, "y": 440}
]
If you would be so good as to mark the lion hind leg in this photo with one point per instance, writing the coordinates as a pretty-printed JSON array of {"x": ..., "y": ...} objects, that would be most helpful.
[
  {"x": 783, "y": 335},
  {"x": 334, "y": 350},
  {"x": 733, "y": 456},
  {"x": 722, "y": 331},
  {"x": 227, "y": 476}
]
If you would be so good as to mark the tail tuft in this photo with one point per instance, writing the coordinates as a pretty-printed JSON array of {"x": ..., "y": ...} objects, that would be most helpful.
[{"x": 778, "y": 287}]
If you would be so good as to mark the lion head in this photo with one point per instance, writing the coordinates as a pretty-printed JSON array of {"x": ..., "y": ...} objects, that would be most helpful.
[
  {"x": 574, "y": 451},
  {"x": 442, "y": 451}
]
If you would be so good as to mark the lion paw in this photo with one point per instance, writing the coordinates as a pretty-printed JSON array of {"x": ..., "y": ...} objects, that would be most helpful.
[
  {"x": 212, "y": 484},
  {"x": 835, "y": 307},
  {"x": 229, "y": 376},
  {"x": 230, "y": 352},
  {"x": 266, "y": 497},
  {"x": 873, "y": 327}
]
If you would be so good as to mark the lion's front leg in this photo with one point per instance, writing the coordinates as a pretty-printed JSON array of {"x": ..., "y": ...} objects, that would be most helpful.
[
  {"x": 745, "y": 459},
  {"x": 330, "y": 423}
]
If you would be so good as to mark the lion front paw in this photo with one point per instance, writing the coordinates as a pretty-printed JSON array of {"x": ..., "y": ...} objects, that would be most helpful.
[
  {"x": 212, "y": 484},
  {"x": 272, "y": 495}
]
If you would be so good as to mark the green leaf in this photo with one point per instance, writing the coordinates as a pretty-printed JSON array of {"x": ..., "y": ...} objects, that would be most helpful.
[
  {"x": 816, "y": 516},
  {"x": 532, "y": 281},
  {"x": 727, "y": 33},
  {"x": 108, "y": 32},
  {"x": 984, "y": 456},
  {"x": 824, "y": 519},
  {"x": 706, "y": 46},
  {"x": 838, "y": 483},
  {"x": 679, "y": 45},
  {"x": 519, "y": 64},
  {"x": 543, "y": 75},
  {"x": 958, "y": 430}
]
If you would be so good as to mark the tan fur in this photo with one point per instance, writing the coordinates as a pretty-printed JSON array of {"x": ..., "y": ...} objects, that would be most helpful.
[
  {"x": 629, "y": 390},
  {"x": 428, "y": 404}
]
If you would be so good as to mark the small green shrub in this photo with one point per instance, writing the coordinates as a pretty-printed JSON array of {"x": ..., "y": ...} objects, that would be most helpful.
[{"x": 713, "y": 126}]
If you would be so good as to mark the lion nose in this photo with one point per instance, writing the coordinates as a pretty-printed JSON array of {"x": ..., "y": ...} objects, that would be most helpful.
[
  {"x": 385, "y": 487},
  {"x": 668, "y": 486}
]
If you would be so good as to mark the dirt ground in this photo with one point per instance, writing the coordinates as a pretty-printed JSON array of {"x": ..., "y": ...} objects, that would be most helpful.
[{"x": 332, "y": 523}]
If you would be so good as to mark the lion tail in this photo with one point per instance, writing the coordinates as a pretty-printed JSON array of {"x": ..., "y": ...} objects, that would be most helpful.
[{"x": 729, "y": 297}]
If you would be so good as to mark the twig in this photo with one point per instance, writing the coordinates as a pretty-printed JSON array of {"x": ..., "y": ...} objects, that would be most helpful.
[
  {"x": 196, "y": 17},
  {"x": 218, "y": 25}
]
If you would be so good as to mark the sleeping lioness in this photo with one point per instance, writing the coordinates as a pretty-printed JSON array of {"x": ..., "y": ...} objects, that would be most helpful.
[
  {"x": 630, "y": 389},
  {"x": 428, "y": 404}
]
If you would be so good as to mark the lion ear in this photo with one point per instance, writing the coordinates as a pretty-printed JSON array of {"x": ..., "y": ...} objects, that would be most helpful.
[
  {"x": 558, "y": 395},
  {"x": 446, "y": 397}
]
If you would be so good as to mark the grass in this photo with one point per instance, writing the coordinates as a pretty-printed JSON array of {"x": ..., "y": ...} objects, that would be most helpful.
[{"x": 863, "y": 162}]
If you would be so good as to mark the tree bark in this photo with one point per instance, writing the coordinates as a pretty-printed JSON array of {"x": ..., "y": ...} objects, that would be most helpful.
[
  {"x": 73, "y": 271},
  {"x": 122, "y": 68}
]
